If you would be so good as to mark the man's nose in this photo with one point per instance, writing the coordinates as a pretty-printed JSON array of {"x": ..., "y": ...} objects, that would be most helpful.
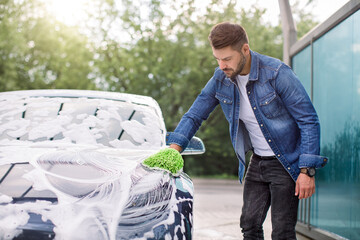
[{"x": 222, "y": 65}]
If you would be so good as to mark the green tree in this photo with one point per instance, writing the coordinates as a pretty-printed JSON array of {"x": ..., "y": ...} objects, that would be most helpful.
[{"x": 39, "y": 52}]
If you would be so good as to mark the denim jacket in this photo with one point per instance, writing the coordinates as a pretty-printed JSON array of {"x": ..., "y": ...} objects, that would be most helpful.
[{"x": 281, "y": 106}]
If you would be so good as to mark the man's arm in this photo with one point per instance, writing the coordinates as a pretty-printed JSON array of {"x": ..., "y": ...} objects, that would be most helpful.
[
  {"x": 299, "y": 105},
  {"x": 200, "y": 110}
]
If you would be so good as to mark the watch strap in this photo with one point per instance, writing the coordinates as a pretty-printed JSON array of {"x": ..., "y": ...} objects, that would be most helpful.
[{"x": 308, "y": 171}]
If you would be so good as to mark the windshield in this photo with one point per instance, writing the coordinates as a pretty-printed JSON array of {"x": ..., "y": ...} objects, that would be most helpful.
[{"x": 111, "y": 123}]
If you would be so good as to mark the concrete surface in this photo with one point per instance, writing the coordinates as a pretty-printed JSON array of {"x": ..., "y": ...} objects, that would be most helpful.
[{"x": 217, "y": 209}]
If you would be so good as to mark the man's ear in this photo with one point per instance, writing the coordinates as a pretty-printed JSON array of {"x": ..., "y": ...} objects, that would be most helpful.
[{"x": 245, "y": 49}]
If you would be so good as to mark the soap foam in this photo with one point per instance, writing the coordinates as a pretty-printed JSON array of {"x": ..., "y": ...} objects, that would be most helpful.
[{"x": 91, "y": 205}]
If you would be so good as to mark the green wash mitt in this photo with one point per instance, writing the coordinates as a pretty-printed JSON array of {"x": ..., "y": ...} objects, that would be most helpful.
[{"x": 168, "y": 159}]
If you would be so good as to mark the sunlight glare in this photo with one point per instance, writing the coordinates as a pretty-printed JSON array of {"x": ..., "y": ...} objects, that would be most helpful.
[{"x": 70, "y": 12}]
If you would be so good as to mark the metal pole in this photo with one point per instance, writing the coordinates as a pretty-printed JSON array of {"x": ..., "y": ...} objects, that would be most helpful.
[
  {"x": 308, "y": 213},
  {"x": 289, "y": 29}
]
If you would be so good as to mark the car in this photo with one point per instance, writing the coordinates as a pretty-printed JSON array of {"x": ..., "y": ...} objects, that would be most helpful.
[{"x": 70, "y": 168}]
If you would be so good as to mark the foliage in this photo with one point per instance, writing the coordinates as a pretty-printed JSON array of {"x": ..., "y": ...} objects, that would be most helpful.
[
  {"x": 162, "y": 52},
  {"x": 39, "y": 52},
  {"x": 305, "y": 20}
]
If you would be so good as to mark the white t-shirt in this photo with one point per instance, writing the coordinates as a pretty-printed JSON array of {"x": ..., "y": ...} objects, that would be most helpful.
[{"x": 261, "y": 147}]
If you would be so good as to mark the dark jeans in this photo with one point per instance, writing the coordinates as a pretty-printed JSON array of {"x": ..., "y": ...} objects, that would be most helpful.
[{"x": 268, "y": 183}]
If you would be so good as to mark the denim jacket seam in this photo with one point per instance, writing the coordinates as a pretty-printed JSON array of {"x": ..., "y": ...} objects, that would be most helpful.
[
  {"x": 222, "y": 95},
  {"x": 222, "y": 81},
  {"x": 272, "y": 68}
]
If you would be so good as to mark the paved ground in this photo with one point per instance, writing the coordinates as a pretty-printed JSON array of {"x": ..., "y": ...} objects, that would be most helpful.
[{"x": 217, "y": 208}]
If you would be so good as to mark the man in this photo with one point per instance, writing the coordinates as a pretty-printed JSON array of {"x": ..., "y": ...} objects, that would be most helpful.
[{"x": 269, "y": 113}]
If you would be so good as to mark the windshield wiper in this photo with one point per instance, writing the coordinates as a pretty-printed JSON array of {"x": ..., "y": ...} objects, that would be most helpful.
[
  {"x": 122, "y": 131},
  {"x": 23, "y": 116},
  {"x": 61, "y": 107},
  {"x": 7, "y": 173}
]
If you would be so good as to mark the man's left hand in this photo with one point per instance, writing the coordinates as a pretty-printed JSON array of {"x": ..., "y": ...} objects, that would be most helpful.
[{"x": 305, "y": 186}]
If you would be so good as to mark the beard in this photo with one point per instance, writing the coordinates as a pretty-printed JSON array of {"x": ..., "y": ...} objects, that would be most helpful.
[{"x": 240, "y": 66}]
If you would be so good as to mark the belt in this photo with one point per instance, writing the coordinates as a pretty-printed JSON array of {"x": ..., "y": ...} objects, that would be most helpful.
[{"x": 264, "y": 157}]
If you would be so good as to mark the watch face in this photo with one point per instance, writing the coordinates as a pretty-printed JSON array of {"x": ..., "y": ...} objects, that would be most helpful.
[{"x": 311, "y": 172}]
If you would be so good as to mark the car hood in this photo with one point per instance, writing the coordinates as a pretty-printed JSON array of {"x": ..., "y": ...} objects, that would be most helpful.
[{"x": 85, "y": 191}]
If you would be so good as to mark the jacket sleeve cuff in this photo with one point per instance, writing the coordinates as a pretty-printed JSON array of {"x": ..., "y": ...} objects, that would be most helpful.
[
  {"x": 177, "y": 138},
  {"x": 309, "y": 160}
]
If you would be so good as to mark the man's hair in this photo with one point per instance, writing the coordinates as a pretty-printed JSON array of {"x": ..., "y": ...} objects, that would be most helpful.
[{"x": 228, "y": 34}]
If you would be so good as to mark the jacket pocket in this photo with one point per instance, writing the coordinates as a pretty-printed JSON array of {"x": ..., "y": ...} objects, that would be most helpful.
[
  {"x": 271, "y": 105},
  {"x": 226, "y": 104}
]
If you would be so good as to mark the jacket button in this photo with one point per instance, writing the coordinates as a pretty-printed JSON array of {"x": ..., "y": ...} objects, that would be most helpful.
[
  {"x": 249, "y": 92},
  {"x": 261, "y": 125},
  {"x": 289, "y": 168},
  {"x": 278, "y": 155},
  {"x": 269, "y": 140},
  {"x": 254, "y": 108}
]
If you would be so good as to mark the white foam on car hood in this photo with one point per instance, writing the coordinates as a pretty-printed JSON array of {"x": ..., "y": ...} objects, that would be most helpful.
[
  {"x": 92, "y": 188},
  {"x": 87, "y": 154}
]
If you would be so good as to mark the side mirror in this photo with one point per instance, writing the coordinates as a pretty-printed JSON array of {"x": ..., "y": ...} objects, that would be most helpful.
[{"x": 196, "y": 146}]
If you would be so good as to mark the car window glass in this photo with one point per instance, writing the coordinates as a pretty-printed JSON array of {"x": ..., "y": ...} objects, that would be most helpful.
[{"x": 111, "y": 123}]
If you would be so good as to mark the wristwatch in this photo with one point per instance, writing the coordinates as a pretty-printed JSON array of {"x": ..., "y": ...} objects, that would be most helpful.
[{"x": 309, "y": 171}]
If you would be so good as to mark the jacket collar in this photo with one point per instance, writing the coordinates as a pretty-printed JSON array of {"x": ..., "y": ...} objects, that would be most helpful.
[{"x": 254, "y": 70}]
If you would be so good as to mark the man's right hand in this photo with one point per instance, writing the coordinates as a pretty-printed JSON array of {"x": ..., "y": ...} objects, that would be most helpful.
[
  {"x": 176, "y": 147},
  {"x": 305, "y": 186}
]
